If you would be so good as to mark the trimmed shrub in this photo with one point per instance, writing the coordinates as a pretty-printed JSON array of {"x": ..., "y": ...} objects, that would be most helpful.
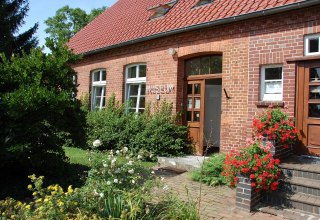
[{"x": 155, "y": 131}]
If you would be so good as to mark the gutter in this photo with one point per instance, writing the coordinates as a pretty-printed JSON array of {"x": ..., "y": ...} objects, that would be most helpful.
[{"x": 285, "y": 8}]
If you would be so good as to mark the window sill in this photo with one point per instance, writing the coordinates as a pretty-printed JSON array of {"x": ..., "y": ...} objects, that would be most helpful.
[{"x": 268, "y": 103}]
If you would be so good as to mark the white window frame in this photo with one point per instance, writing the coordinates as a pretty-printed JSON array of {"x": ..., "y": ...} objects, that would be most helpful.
[
  {"x": 307, "y": 39},
  {"x": 263, "y": 95},
  {"x": 135, "y": 81},
  {"x": 98, "y": 84}
]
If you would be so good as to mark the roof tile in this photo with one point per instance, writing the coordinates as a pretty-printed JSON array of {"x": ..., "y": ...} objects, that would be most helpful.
[{"x": 128, "y": 20}]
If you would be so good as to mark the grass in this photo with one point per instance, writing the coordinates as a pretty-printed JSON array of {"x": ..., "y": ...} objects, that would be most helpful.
[{"x": 81, "y": 157}]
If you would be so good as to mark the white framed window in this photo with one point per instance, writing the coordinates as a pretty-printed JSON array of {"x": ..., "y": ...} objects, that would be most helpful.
[
  {"x": 312, "y": 44},
  {"x": 136, "y": 87},
  {"x": 98, "y": 91},
  {"x": 271, "y": 83}
]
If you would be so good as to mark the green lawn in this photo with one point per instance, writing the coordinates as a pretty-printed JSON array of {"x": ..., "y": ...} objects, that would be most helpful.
[{"x": 79, "y": 156}]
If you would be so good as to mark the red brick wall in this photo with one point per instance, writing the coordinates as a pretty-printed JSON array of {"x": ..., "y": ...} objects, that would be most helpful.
[{"x": 244, "y": 45}]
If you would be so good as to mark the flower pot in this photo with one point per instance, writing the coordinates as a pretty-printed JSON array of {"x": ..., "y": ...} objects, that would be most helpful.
[
  {"x": 246, "y": 197},
  {"x": 277, "y": 151}
]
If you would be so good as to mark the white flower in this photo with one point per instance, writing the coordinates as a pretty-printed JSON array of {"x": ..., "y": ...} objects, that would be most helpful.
[
  {"x": 117, "y": 152},
  {"x": 95, "y": 192},
  {"x": 151, "y": 155},
  {"x": 152, "y": 172},
  {"x": 131, "y": 171},
  {"x": 115, "y": 181},
  {"x": 165, "y": 187},
  {"x": 105, "y": 165},
  {"x": 97, "y": 143},
  {"x": 125, "y": 149},
  {"x": 139, "y": 157},
  {"x": 108, "y": 183},
  {"x": 162, "y": 178},
  {"x": 113, "y": 160},
  {"x": 130, "y": 162},
  {"x": 101, "y": 195},
  {"x": 127, "y": 157},
  {"x": 133, "y": 182}
]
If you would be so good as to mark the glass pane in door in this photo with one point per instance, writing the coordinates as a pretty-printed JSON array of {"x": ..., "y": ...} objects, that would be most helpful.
[
  {"x": 189, "y": 105},
  {"x": 196, "y": 116},
  {"x": 314, "y": 110},
  {"x": 197, "y": 89},
  {"x": 197, "y": 102},
  {"x": 315, "y": 74},
  {"x": 314, "y": 92}
]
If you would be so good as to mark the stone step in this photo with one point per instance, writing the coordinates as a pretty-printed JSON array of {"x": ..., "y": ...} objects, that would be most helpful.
[
  {"x": 182, "y": 163},
  {"x": 287, "y": 213},
  {"x": 300, "y": 201},
  {"x": 300, "y": 185}
]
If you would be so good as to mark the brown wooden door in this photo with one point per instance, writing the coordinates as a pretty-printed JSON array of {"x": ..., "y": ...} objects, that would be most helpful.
[
  {"x": 308, "y": 111},
  {"x": 195, "y": 113}
]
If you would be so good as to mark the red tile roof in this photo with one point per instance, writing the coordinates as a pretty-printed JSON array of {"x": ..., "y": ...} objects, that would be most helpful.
[{"x": 128, "y": 20}]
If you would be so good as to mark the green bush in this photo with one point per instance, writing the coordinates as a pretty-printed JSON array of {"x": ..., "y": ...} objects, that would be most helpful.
[
  {"x": 155, "y": 131},
  {"x": 210, "y": 172}
]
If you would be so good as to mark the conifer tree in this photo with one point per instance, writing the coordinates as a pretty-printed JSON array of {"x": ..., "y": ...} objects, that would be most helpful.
[{"x": 12, "y": 13}]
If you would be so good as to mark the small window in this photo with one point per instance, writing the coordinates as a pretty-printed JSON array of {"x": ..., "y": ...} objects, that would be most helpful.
[
  {"x": 136, "y": 87},
  {"x": 203, "y": 2},
  {"x": 161, "y": 9},
  {"x": 271, "y": 83},
  {"x": 98, "y": 91},
  {"x": 312, "y": 45}
]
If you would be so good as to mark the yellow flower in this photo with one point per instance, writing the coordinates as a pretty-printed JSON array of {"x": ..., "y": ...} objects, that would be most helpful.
[
  {"x": 75, "y": 203},
  {"x": 29, "y": 186},
  {"x": 53, "y": 193},
  {"x": 28, "y": 207},
  {"x": 34, "y": 193},
  {"x": 70, "y": 190},
  {"x": 60, "y": 203},
  {"x": 39, "y": 200},
  {"x": 19, "y": 203}
]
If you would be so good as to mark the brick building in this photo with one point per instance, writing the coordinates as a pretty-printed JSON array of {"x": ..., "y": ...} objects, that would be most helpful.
[{"x": 218, "y": 61}]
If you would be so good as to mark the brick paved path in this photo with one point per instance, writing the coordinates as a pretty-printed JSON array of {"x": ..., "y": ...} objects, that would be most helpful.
[{"x": 216, "y": 202}]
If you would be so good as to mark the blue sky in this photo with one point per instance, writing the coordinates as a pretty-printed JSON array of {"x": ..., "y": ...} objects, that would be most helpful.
[{"x": 40, "y": 10}]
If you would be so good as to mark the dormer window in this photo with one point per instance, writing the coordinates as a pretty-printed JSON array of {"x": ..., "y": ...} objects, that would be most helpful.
[
  {"x": 161, "y": 9},
  {"x": 203, "y": 2},
  {"x": 312, "y": 44}
]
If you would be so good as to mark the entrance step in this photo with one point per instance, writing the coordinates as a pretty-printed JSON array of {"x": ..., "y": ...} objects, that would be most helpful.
[
  {"x": 288, "y": 213},
  {"x": 181, "y": 163},
  {"x": 299, "y": 188}
]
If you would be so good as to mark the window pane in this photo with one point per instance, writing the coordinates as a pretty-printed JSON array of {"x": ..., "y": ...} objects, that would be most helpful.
[
  {"x": 194, "y": 67},
  {"x": 132, "y": 71},
  {"x": 196, "y": 116},
  {"x": 134, "y": 90},
  {"x": 96, "y": 76},
  {"x": 215, "y": 64},
  {"x": 273, "y": 73},
  {"x": 197, "y": 102},
  {"x": 314, "y": 92},
  {"x": 205, "y": 63},
  {"x": 142, "y": 71},
  {"x": 314, "y": 110},
  {"x": 314, "y": 45},
  {"x": 189, "y": 104},
  {"x": 315, "y": 74},
  {"x": 143, "y": 89},
  {"x": 103, "y": 102},
  {"x": 104, "y": 74},
  {"x": 133, "y": 102},
  {"x": 189, "y": 114},
  {"x": 189, "y": 89},
  {"x": 97, "y": 103},
  {"x": 142, "y": 102},
  {"x": 98, "y": 91},
  {"x": 197, "y": 88},
  {"x": 141, "y": 110},
  {"x": 273, "y": 87}
]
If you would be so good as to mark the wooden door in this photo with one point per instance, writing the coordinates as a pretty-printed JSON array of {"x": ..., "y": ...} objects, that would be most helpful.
[
  {"x": 195, "y": 113},
  {"x": 308, "y": 110}
]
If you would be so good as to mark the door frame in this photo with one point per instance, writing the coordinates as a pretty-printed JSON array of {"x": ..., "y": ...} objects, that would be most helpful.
[
  {"x": 202, "y": 79},
  {"x": 301, "y": 109}
]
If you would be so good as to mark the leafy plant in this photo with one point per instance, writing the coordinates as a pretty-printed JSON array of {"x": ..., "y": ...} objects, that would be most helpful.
[
  {"x": 210, "y": 172},
  {"x": 255, "y": 162},
  {"x": 275, "y": 124},
  {"x": 154, "y": 132}
]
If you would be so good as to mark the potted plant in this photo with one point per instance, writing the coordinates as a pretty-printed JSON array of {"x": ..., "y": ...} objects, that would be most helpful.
[{"x": 276, "y": 126}]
